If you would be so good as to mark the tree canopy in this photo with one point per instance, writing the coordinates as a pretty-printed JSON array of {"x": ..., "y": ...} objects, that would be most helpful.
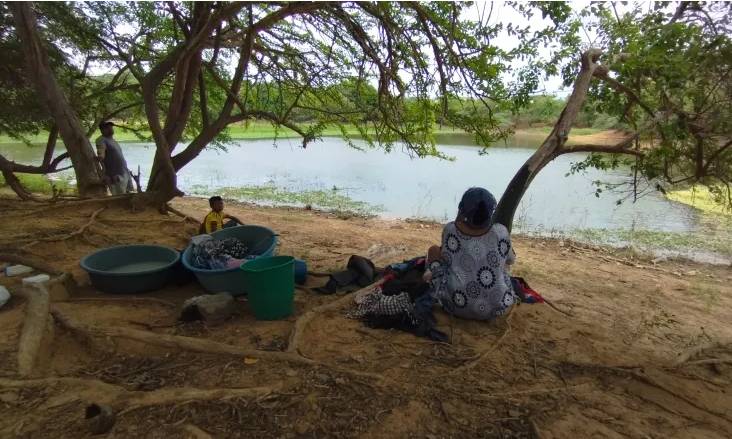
[{"x": 187, "y": 70}]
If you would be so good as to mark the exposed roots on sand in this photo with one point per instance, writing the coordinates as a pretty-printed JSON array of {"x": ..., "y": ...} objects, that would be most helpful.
[
  {"x": 303, "y": 321},
  {"x": 193, "y": 344},
  {"x": 78, "y": 232},
  {"x": 636, "y": 373},
  {"x": 477, "y": 360},
  {"x": 35, "y": 263},
  {"x": 96, "y": 391}
]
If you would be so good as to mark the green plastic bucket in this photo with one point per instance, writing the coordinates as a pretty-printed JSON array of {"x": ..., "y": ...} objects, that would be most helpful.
[{"x": 270, "y": 283}]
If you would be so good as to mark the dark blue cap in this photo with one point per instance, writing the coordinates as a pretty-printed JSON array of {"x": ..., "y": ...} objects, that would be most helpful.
[{"x": 476, "y": 207}]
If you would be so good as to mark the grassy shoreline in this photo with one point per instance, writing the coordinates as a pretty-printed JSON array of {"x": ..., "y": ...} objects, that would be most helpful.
[{"x": 262, "y": 130}]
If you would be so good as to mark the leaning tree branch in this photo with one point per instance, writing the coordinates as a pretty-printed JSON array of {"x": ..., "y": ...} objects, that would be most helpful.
[
  {"x": 621, "y": 147},
  {"x": 552, "y": 146},
  {"x": 715, "y": 154}
]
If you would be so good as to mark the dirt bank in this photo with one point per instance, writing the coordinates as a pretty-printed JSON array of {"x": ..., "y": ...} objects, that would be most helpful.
[{"x": 609, "y": 369}]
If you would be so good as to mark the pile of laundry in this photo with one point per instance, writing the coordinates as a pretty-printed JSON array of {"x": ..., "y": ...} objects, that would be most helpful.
[
  {"x": 210, "y": 253},
  {"x": 400, "y": 301}
]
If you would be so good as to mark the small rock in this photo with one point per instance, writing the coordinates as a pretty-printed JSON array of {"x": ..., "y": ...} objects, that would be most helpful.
[
  {"x": 340, "y": 381},
  {"x": 211, "y": 308},
  {"x": 561, "y": 243},
  {"x": 8, "y": 397},
  {"x": 291, "y": 373},
  {"x": 692, "y": 273},
  {"x": 323, "y": 378},
  {"x": 38, "y": 279},
  {"x": 514, "y": 413},
  {"x": 99, "y": 418},
  {"x": 302, "y": 427},
  {"x": 4, "y": 296},
  {"x": 17, "y": 270}
]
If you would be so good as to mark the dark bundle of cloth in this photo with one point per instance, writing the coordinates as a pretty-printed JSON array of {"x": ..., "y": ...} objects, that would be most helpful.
[
  {"x": 360, "y": 272},
  {"x": 402, "y": 302}
]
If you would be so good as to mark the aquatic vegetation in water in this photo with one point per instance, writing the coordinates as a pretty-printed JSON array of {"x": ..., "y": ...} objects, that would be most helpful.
[
  {"x": 654, "y": 240},
  {"x": 327, "y": 199}
]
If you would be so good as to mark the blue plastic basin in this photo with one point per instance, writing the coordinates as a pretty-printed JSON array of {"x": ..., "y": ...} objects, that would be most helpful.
[
  {"x": 261, "y": 241},
  {"x": 129, "y": 269}
]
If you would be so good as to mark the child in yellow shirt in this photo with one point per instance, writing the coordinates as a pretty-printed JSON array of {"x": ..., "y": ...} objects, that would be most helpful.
[{"x": 215, "y": 219}]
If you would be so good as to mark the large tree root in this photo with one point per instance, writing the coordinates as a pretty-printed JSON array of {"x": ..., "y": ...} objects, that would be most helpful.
[
  {"x": 698, "y": 350},
  {"x": 124, "y": 300},
  {"x": 632, "y": 372},
  {"x": 37, "y": 329},
  {"x": 204, "y": 346},
  {"x": 471, "y": 364},
  {"x": 30, "y": 262},
  {"x": 96, "y": 391},
  {"x": 182, "y": 215},
  {"x": 303, "y": 321}
]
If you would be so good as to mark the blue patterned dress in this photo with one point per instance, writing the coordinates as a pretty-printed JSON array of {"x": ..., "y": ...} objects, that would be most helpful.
[{"x": 471, "y": 281}]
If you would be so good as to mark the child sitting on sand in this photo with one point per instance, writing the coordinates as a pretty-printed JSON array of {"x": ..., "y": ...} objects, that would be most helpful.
[{"x": 215, "y": 219}]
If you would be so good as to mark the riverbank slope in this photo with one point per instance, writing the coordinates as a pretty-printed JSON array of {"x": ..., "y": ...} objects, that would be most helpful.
[{"x": 607, "y": 364}]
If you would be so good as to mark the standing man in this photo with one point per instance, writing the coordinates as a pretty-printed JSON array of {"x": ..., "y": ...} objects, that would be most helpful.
[{"x": 116, "y": 174}]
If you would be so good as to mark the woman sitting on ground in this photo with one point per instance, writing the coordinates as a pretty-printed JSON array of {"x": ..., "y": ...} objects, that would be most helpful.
[{"x": 469, "y": 272}]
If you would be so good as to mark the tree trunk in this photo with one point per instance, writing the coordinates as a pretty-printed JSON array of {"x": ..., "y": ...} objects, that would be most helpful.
[
  {"x": 69, "y": 126},
  {"x": 553, "y": 146},
  {"x": 17, "y": 187}
]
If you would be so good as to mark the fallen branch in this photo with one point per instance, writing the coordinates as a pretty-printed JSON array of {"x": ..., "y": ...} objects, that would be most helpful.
[
  {"x": 67, "y": 236},
  {"x": 555, "y": 308},
  {"x": 471, "y": 364},
  {"x": 35, "y": 264},
  {"x": 293, "y": 346},
  {"x": 37, "y": 329},
  {"x": 181, "y": 214}
]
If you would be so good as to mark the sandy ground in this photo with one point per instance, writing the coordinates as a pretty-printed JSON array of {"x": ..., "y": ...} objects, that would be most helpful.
[{"x": 606, "y": 368}]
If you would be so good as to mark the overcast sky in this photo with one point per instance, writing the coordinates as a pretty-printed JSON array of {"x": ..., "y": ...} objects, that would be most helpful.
[{"x": 505, "y": 14}]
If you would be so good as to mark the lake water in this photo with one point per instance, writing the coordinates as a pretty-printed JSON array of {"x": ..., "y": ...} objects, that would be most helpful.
[
  {"x": 430, "y": 188},
  {"x": 406, "y": 187}
]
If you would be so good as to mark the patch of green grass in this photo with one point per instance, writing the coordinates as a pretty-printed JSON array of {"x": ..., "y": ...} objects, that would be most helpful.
[
  {"x": 331, "y": 200},
  {"x": 700, "y": 198},
  {"x": 660, "y": 240},
  {"x": 41, "y": 184}
]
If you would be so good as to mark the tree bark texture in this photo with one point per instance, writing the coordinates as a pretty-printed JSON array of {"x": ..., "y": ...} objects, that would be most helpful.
[{"x": 65, "y": 118}]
